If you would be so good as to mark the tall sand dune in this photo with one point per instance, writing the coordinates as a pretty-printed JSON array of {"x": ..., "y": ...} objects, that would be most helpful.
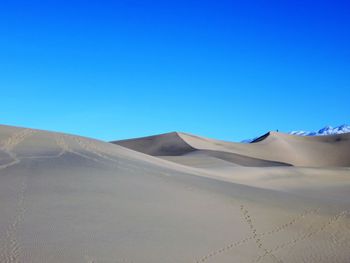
[{"x": 172, "y": 198}]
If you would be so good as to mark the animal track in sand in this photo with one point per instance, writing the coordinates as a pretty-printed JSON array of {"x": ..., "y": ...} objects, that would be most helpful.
[
  {"x": 10, "y": 248},
  {"x": 59, "y": 154},
  {"x": 10, "y": 143},
  {"x": 65, "y": 148},
  {"x": 93, "y": 148},
  {"x": 311, "y": 232},
  {"x": 332, "y": 247},
  {"x": 104, "y": 154},
  {"x": 271, "y": 252},
  {"x": 255, "y": 235},
  {"x": 15, "y": 139},
  {"x": 254, "y": 231}
]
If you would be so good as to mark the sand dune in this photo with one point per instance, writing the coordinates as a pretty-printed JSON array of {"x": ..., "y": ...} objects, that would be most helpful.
[
  {"x": 269, "y": 150},
  {"x": 185, "y": 145},
  {"x": 173, "y": 198}
]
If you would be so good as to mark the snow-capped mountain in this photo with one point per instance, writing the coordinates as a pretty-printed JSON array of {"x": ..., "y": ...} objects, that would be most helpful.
[{"x": 327, "y": 130}]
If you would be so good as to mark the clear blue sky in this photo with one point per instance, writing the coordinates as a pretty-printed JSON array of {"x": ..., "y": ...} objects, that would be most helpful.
[{"x": 224, "y": 69}]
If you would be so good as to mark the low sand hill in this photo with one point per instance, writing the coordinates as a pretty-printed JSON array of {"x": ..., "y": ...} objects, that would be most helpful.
[{"x": 66, "y": 198}]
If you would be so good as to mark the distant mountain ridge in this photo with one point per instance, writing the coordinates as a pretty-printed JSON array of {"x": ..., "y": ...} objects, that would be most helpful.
[{"x": 327, "y": 130}]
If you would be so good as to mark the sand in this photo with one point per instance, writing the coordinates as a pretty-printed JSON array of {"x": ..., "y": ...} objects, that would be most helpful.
[{"x": 173, "y": 198}]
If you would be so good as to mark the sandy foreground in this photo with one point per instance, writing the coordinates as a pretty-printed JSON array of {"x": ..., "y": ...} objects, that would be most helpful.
[{"x": 173, "y": 198}]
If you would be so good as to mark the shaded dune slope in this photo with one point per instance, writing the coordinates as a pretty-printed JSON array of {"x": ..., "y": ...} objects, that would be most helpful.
[
  {"x": 184, "y": 146},
  {"x": 168, "y": 144},
  {"x": 271, "y": 149}
]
